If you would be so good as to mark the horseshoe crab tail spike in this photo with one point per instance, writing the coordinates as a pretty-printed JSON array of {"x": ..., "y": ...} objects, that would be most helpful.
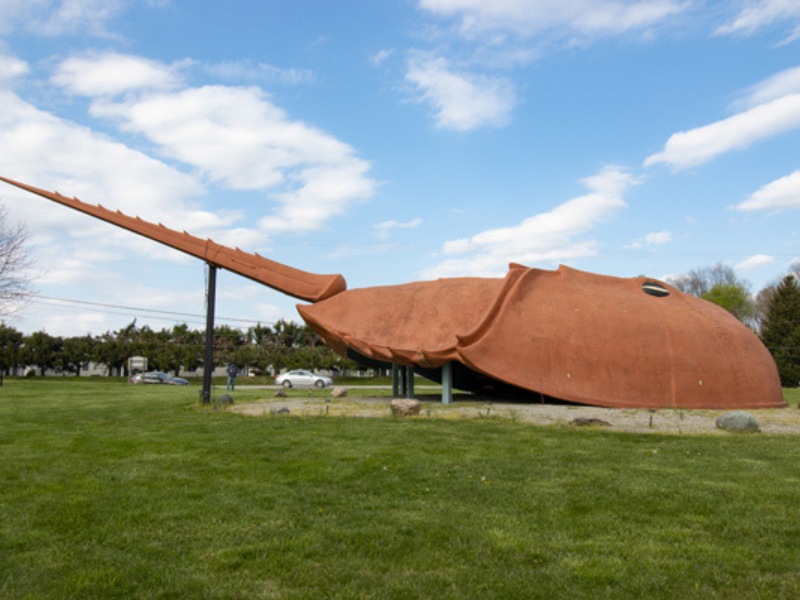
[{"x": 293, "y": 282}]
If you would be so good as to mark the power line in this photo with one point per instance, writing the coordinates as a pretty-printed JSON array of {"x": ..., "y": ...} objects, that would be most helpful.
[{"x": 138, "y": 309}]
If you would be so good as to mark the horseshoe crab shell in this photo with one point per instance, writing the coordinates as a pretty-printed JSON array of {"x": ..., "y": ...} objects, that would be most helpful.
[{"x": 567, "y": 334}]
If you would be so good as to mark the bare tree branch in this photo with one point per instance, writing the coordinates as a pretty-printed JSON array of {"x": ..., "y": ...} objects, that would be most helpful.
[{"x": 15, "y": 262}]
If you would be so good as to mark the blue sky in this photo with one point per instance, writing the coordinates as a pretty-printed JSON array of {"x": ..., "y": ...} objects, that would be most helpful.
[{"x": 392, "y": 141}]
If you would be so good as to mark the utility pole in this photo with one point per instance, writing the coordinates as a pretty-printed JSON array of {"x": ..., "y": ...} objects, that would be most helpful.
[{"x": 208, "y": 362}]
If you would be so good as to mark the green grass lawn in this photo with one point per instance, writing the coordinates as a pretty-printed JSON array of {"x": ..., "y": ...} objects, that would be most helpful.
[
  {"x": 792, "y": 396},
  {"x": 117, "y": 491}
]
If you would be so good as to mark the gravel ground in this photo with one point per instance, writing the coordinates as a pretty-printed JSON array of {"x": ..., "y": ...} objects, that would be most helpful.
[{"x": 784, "y": 421}]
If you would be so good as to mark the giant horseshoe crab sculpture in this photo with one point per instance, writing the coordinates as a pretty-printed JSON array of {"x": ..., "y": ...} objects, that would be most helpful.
[{"x": 566, "y": 334}]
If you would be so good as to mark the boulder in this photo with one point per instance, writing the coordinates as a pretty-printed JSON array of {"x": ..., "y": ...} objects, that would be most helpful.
[
  {"x": 405, "y": 408},
  {"x": 280, "y": 394},
  {"x": 225, "y": 400},
  {"x": 738, "y": 421},
  {"x": 281, "y": 411},
  {"x": 589, "y": 421},
  {"x": 339, "y": 392}
]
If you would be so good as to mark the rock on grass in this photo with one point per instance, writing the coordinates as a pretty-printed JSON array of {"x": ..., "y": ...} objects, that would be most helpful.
[{"x": 738, "y": 421}]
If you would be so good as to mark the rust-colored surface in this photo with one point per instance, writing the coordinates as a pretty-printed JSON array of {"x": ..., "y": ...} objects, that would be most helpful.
[
  {"x": 411, "y": 324},
  {"x": 568, "y": 334},
  {"x": 294, "y": 282},
  {"x": 604, "y": 341}
]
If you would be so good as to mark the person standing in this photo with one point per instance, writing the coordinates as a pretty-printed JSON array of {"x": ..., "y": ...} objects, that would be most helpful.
[{"x": 232, "y": 371}]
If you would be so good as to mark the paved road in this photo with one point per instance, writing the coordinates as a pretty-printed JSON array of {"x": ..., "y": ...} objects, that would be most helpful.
[{"x": 349, "y": 387}]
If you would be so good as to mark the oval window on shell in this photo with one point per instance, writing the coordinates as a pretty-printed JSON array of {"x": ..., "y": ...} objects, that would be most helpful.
[{"x": 654, "y": 289}]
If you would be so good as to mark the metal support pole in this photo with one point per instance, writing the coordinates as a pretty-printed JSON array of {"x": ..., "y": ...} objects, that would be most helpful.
[
  {"x": 410, "y": 383},
  {"x": 395, "y": 380},
  {"x": 447, "y": 383},
  {"x": 208, "y": 362}
]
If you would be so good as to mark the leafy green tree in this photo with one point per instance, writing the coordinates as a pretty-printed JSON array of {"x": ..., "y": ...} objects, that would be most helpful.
[
  {"x": 288, "y": 345},
  {"x": 114, "y": 348},
  {"x": 259, "y": 340},
  {"x": 763, "y": 299},
  {"x": 153, "y": 346},
  {"x": 10, "y": 349},
  {"x": 111, "y": 352},
  {"x": 227, "y": 341},
  {"x": 76, "y": 353},
  {"x": 259, "y": 334},
  {"x": 189, "y": 346},
  {"x": 780, "y": 330},
  {"x": 244, "y": 356},
  {"x": 720, "y": 284},
  {"x": 41, "y": 350},
  {"x": 171, "y": 350},
  {"x": 736, "y": 299}
]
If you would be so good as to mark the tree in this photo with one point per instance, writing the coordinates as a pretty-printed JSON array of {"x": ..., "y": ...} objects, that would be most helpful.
[
  {"x": 114, "y": 348},
  {"x": 15, "y": 260},
  {"x": 780, "y": 330},
  {"x": 41, "y": 350},
  {"x": 188, "y": 346},
  {"x": 227, "y": 342},
  {"x": 153, "y": 346},
  {"x": 736, "y": 299},
  {"x": 763, "y": 299},
  {"x": 720, "y": 284},
  {"x": 76, "y": 353},
  {"x": 10, "y": 349}
]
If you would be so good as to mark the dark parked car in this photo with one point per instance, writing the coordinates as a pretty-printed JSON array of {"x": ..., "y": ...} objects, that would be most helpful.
[{"x": 156, "y": 377}]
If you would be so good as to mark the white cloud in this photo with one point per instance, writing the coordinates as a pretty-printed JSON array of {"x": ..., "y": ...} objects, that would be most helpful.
[
  {"x": 269, "y": 313},
  {"x": 16, "y": 11},
  {"x": 58, "y": 17},
  {"x": 697, "y": 146},
  {"x": 233, "y": 136},
  {"x": 567, "y": 17},
  {"x": 245, "y": 70},
  {"x": 112, "y": 74},
  {"x": 461, "y": 101},
  {"x": 781, "y": 193},
  {"x": 241, "y": 140},
  {"x": 658, "y": 238},
  {"x": 67, "y": 323},
  {"x": 652, "y": 239},
  {"x": 764, "y": 13},
  {"x": 55, "y": 154},
  {"x": 380, "y": 57},
  {"x": 52, "y": 153},
  {"x": 504, "y": 34},
  {"x": 148, "y": 296},
  {"x": 69, "y": 268},
  {"x": 777, "y": 86},
  {"x": 383, "y": 229},
  {"x": 754, "y": 262},
  {"x": 11, "y": 68},
  {"x": 82, "y": 15},
  {"x": 323, "y": 192},
  {"x": 546, "y": 237}
]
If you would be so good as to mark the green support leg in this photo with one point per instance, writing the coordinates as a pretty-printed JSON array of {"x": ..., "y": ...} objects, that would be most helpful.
[
  {"x": 395, "y": 381},
  {"x": 410, "y": 383},
  {"x": 447, "y": 383}
]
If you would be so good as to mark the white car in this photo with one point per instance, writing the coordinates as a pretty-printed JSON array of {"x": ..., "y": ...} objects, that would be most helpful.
[{"x": 300, "y": 378}]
